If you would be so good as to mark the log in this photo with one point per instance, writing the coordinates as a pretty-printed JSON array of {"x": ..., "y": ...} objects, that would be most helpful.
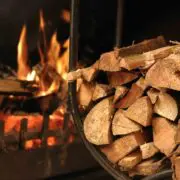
[
  {"x": 177, "y": 138},
  {"x": 78, "y": 84},
  {"x": 144, "y": 46},
  {"x": 136, "y": 91},
  {"x": 17, "y": 87},
  {"x": 85, "y": 93},
  {"x": 87, "y": 74},
  {"x": 123, "y": 146},
  {"x": 164, "y": 135},
  {"x": 107, "y": 62},
  {"x": 131, "y": 160},
  {"x": 148, "y": 150},
  {"x": 177, "y": 168},
  {"x": 121, "y": 77},
  {"x": 147, "y": 59},
  {"x": 110, "y": 61},
  {"x": 153, "y": 95},
  {"x": 140, "y": 111},
  {"x": 167, "y": 70},
  {"x": 97, "y": 123},
  {"x": 101, "y": 91},
  {"x": 166, "y": 106},
  {"x": 146, "y": 168},
  {"x": 119, "y": 93},
  {"x": 122, "y": 125}
]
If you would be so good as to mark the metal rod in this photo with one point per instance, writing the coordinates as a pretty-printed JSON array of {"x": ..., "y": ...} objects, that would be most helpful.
[
  {"x": 74, "y": 35},
  {"x": 119, "y": 22},
  {"x": 2, "y": 143},
  {"x": 45, "y": 129},
  {"x": 23, "y": 130}
]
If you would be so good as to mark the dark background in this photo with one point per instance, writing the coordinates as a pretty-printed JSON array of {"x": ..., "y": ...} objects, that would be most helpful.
[{"x": 141, "y": 20}]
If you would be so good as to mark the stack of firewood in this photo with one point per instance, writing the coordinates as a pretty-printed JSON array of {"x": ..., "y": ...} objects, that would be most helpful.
[{"x": 134, "y": 117}]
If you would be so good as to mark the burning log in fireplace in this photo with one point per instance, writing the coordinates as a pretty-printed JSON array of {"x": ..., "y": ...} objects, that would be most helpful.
[
  {"x": 33, "y": 105},
  {"x": 134, "y": 127}
]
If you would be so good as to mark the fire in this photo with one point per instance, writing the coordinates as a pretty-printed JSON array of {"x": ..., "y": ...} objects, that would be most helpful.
[
  {"x": 22, "y": 56},
  {"x": 53, "y": 75}
]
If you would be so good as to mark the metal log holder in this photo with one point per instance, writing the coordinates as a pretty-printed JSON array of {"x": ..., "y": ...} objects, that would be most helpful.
[{"x": 102, "y": 160}]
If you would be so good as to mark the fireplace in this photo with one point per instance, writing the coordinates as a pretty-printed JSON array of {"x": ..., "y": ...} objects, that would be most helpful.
[{"x": 37, "y": 135}]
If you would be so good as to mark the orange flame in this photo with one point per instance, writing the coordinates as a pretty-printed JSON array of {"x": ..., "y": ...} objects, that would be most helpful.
[
  {"x": 42, "y": 22},
  {"x": 54, "y": 50},
  {"x": 22, "y": 56}
]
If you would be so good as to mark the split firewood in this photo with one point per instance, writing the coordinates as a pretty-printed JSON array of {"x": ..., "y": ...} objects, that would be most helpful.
[
  {"x": 85, "y": 93},
  {"x": 97, "y": 123},
  {"x": 110, "y": 61},
  {"x": 16, "y": 87},
  {"x": 144, "y": 46},
  {"x": 100, "y": 91},
  {"x": 123, "y": 146},
  {"x": 148, "y": 150},
  {"x": 122, "y": 125},
  {"x": 166, "y": 106},
  {"x": 136, "y": 91},
  {"x": 147, "y": 59},
  {"x": 153, "y": 95},
  {"x": 167, "y": 70},
  {"x": 177, "y": 167},
  {"x": 164, "y": 135},
  {"x": 146, "y": 168},
  {"x": 121, "y": 77},
  {"x": 107, "y": 62},
  {"x": 119, "y": 93},
  {"x": 78, "y": 84},
  {"x": 140, "y": 111},
  {"x": 131, "y": 160},
  {"x": 87, "y": 74},
  {"x": 177, "y": 138}
]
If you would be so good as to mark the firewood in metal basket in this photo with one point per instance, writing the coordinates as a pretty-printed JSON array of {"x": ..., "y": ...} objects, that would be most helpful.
[
  {"x": 121, "y": 77},
  {"x": 146, "y": 168},
  {"x": 85, "y": 93},
  {"x": 164, "y": 133},
  {"x": 147, "y": 59},
  {"x": 122, "y": 125},
  {"x": 166, "y": 106},
  {"x": 120, "y": 92},
  {"x": 123, "y": 146},
  {"x": 101, "y": 90},
  {"x": 87, "y": 74},
  {"x": 141, "y": 111},
  {"x": 136, "y": 91},
  {"x": 165, "y": 73},
  {"x": 148, "y": 150},
  {"x": 153, "y": 95},
  {"x": 131, "y": 160},
  {"x": 97, "y": 123}
]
